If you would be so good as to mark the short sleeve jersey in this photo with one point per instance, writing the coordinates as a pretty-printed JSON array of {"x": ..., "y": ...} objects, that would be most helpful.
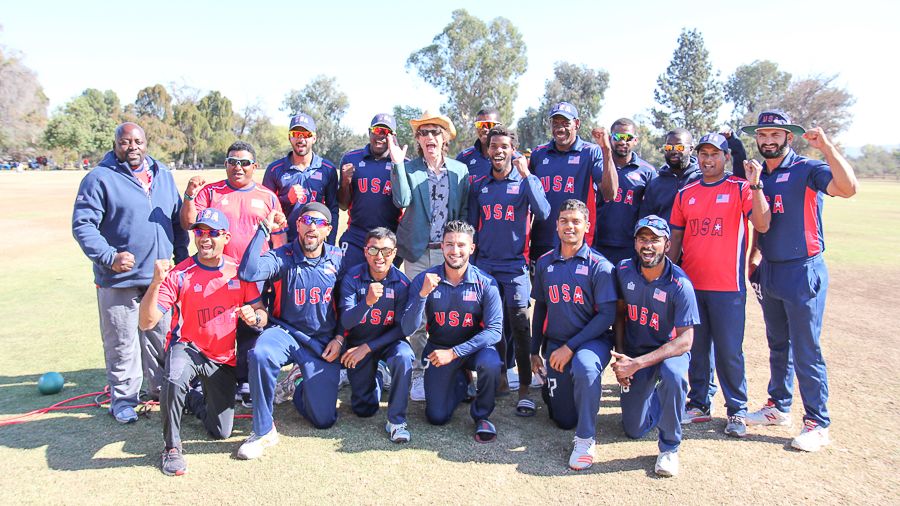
[
  {"x": 371, "y": 203},
  {"x": 384, "y": 316},
  {"x": 295, "y": 187},
  {"x": 244, "y": 208},
  {"x": 616, "y": 218}
]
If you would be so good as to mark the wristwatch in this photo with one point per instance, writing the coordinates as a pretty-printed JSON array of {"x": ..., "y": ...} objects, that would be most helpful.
[
  {"x": 188, "y": 197},
  {"x": 758, "y": 186},
  {"x": 258, "y": 319}
]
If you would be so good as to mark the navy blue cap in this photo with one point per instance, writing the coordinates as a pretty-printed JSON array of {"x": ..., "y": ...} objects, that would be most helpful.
[
  {"x": 383, "y": 119},
  {"x": 304, "y": 121},
  {"x": 654, "y": 223},
  {"x": 775, "y": 118},
  {"x": 715, "y": 140},
  {"x": 564, "y": 109},
  {"x": 213, "y": 218}
]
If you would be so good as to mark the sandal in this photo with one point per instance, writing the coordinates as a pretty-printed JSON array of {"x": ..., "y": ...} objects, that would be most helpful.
[
  {"x": 485, "y": 432},
  {"x": 526, "y": 408}
]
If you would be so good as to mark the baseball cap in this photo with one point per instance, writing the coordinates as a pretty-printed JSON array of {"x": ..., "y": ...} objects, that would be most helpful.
[
  {"x": 212, "y": 218},
  {"x": 653, "y": 223},
  {"x": 385, "y": 120},
  {"x": 318, "y": 207},
  {"x": 715, "y": 140},
  {"x": 304, "y": 121},
  {"x": 564, "y": 109}
]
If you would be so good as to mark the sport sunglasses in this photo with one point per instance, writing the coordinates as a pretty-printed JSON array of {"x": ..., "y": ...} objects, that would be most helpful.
[
  {"x": 200, "y": 232},
  {"x": 301, "y": 134},
  {"x": 234, "y": 162},
  {"x": 312, "y": 220}
]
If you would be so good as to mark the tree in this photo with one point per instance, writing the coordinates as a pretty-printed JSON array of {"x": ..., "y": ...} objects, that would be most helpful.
[
  {"x": 475, "y": 65},
  {"x": 23, "y": 107},
  {"x": 195, "y": 127},
  {"x": 816, "y": 102},
  {"x": 154, "y": 101},
  {"x": 876, "y": 161},
  {"x": 217, "y": 110},
  {"x": 689, "y": 92},
  {"x": 754, "y": 88},
  {"x": 649, "y": 143},
  {"x": 405, "y": 137},
  {"x": 86, "y": 125},
  {"x": 327, "y": 105},
  {"x": 253, "y": 126}
]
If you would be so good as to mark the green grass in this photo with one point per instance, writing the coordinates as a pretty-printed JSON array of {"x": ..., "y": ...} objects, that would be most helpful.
[{"x": 860, "y": 231}]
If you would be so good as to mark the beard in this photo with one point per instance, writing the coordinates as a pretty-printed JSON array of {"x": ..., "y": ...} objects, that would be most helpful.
[
  {"x": 311, "y": 245},
  {"x": 778, "y": 153},
  {"x": 656, "y": 260},
  {"x": 456, "y": 263}
]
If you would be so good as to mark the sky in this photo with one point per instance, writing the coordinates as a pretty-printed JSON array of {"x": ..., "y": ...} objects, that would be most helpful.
[{"x": 255, "y": 53}]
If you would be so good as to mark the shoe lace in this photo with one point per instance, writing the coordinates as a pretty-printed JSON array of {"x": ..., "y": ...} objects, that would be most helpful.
[
  {"x": 398, "y": 427},
  {"x": 735, "y": 419},
  {"x": 810, "y": 425},
  {"x": 582, "y": 445}
]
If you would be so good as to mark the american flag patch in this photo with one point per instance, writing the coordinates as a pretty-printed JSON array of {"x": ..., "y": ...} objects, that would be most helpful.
[
  {"x": 316, "y": 175},
  {"x": 470, "y": 296},
  {"x": 233, "y": 284},
  {"x": 722, "y": 198},
  {"x": 329, "y": 269},
  {"x": 257, "y": 203},
  {"x": 581, "y": 269},
  {"x": 634, "y": 176},
  {"x": 574, "y": 160},
  {"x": 782, "y": 177},
  {"x": 512, "y": 189},
  {"x": 659, "y": 295},
  {"x": 389, "y": 293}
]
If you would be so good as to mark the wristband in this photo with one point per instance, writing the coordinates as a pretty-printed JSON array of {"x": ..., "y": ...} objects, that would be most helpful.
[{"x": 188, "y": 197}]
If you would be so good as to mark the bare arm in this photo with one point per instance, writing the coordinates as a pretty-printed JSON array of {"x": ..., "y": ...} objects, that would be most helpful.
[{"x": 844, "y": 183}]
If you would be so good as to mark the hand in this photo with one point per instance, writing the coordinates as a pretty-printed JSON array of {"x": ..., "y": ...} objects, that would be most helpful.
[
  {"x": 347, "y": 174},
  {"x": 160, "y": 269},
  {"x": 123, "y": 262},
  {"x": 354, "y": 355},
  {"x": 521, "y": 165},
  {"x": 817, "y": 139},
  {"x": 246, "y": 313},
  {"x": 537, "y": 366},
  {"x": 561, "y": 357},
  {"x": 601, "y": 138},
  {"x": 429, "y": 284},
  {"x": 275, "y": 220},
  {"x": 624, "y": 367},
  {"x": 194, "y": 185},
  {"x": 333, "y": 350},
  {"x": 442, "y": 357},
  {"x": 376, "y": 290},
  {"x": 753, "y": 170},
  {"x": 297, "y": 194},
  {"x": 752, "y": 265},
  {"x": 398, "y": 154}
]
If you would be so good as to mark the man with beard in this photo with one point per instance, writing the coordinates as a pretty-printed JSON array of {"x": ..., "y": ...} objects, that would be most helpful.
[
  {"x": 680, "y": 169},
  {"x": 616, "y": 217},
  {"x": 476, "y": 157},
  {"x": 575, "y": 302},
  {"x": 654, "y": 329},
  {"x": 570, "y": 168},
  {"x": 710, "y": 234},
  {"x": 500, "y": 208},
  {"x": 306, "y": 330},
  {"x": 302, "y": 176},
  {"x": 461, "y": 307},
  {"x": 207, "y": 300},
  {"x": 371, "y": 300},
  {"x": 787, "y": 266},
  {"x": 126, "y": 216},
  {"x": 366, "y": 190}
]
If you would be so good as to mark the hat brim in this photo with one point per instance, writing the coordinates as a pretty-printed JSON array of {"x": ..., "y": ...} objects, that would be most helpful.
[
  {"x": 657, "y": 233},
  {"x": 442, "y": 121},
  {"x": 794, "y": 129}
]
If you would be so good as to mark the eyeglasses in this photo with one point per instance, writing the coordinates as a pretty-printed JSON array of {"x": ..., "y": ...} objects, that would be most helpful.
[
  {"x": 422, "y": 132},
  {"x": 312, "y": 220},
  {"x": 298, "y": 134},
  {"x": 380, "y": 130},
  {"x": 234, "y": 162},
  {"x": 384, "y": 252},
  {"x": 201, "y": 232},
  {"x": 676, "y": 147},
  {"x": 622, "y": 137},
  {"x": 486, "y": 124}
]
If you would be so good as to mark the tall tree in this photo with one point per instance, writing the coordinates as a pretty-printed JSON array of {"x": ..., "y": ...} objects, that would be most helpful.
[
  {"x": 217, "y": 110},
  {"x": 475, "y": 65},
  {"x": 817, "y": 102},
  {"x": 253, "y": 126},
  {"x": 195, "y": 127},
  {"x": 23, "y": 107},
  {"x": 85, "y": 126},
  {"x": 327, "y": 105},
  {"x": 404, "y": 113},
  {"x": 688, "y": 92},
  {"x": 753, "y": 88},
  {"x": 154, "y": 101}
]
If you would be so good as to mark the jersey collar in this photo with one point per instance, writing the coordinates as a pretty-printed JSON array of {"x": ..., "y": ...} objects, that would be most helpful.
[
  {"x": 576, "y": 146},
  {"x": 583, "y": 252}
]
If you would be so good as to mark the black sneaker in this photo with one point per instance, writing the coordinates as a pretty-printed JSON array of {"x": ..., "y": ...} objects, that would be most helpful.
[{"x": 173, "y": 463}]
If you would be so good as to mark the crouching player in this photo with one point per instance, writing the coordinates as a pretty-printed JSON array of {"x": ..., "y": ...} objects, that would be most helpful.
[
  {"x": 372, "y": 299},
  {"x": 206, "y": 298},
  {"x": 654, "y": 332}
]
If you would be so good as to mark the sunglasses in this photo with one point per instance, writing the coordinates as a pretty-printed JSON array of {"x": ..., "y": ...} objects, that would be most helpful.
[
  {"x": 425, "y": 133},
  {"x": 312, "y": 220},
  {"x": 674, "y": 147},
  {"x": 380, "y": 130},
  {"x": 620, "y": 137},
  {"x": 300, "y": 134},
  {"x": 486, "y": 124},
  {"x": 234, "y": 162},
  {"x": 384, "y": 252},
  {"x": 201, "y": 232}
]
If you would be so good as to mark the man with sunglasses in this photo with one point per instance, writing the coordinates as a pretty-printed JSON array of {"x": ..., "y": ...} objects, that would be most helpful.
[
  {"x": 303, "y": 176},
  {"x": 371, "y": 301},
  {"x": 476, "y": 157},
  {"x": 206, "y": 299},
  {"x": 570, "y": 168},
  {"x": 614, "y": 237},
  {"x": 710, "y": 235},
  {"x": 366, "y": 190},
  {"x": 306, "y": 330},
  {"x": 680, "y": 169}
]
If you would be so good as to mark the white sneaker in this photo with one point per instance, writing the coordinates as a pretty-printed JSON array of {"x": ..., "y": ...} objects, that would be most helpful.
[
  {"x": 512, "y": 379},
  {"x": 769, "y": 415},
  {"x": 582, "y": 454},
  {"x": 399, "y": 432},
  {"x": 695, "y": 415},
  {"x": 536, "y": 381},
  {"x": 417, "y": 391},
  {"x": 344, "y": 381},
  {"x": 254, "y": 445},
  {"x": 667, "y": 464},
  {"x": 812, "y": 438},
  {"x": 385, "y": 375}
]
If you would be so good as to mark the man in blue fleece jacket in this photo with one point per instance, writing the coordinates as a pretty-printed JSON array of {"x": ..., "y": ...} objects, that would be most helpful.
[{"x": 126, "y": 217}]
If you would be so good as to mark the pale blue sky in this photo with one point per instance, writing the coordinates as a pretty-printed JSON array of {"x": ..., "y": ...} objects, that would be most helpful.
[{"x": 258, "y": 51}]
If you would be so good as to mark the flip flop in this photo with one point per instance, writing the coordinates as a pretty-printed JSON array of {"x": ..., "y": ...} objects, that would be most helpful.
[
  {"x": 526, "y": 408},
  {"x": 485, "y": 432}
]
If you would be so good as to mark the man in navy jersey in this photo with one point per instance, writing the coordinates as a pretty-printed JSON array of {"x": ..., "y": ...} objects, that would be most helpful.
[
  {"x": 616, "y": 217},
  {"x": 366, "y": 190},
  {"x": 306, "y": 330},
  {"x": 575, "y": 304},
  {"x": 371, "y": 301},
  {"x": 500, "y": 207},
  {"x": 476, "y": 157},
  {"x": 654, "y": 329},
  {"x": 303, "y": 176},
  {"x": 570, "y": 168},
  {"x": 680, "y": 169},
  {"x": 461, "y": 308},
  {"x": 787, "y": 267}
]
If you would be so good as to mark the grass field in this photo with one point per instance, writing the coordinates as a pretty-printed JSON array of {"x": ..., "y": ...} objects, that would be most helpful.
[{"x": 83, "y": 456}]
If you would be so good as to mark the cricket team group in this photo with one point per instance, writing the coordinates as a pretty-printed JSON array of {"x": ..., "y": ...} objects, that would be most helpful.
[{"x": 460, "y": 280}]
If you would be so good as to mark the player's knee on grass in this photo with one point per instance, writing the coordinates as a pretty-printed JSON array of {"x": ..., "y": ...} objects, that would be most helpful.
[
  {"x": 365, "y": 410},
  {"x": 436, "y": 417}
]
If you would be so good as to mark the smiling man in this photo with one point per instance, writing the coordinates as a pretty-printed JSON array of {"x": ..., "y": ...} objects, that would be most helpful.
[
  {"x": 680, "y": 169},
  {"x": 476, "y": 157}
]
